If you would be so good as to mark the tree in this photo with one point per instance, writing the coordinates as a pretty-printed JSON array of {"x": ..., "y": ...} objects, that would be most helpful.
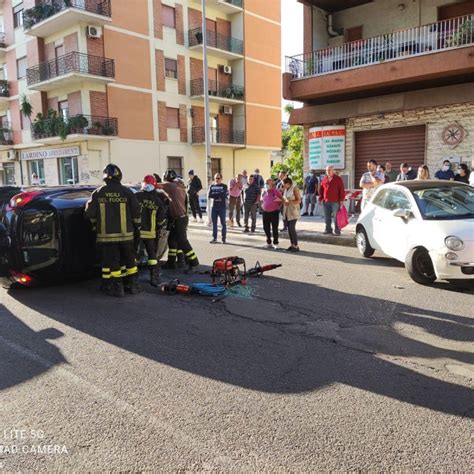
[{"x": 292, "y": 150}]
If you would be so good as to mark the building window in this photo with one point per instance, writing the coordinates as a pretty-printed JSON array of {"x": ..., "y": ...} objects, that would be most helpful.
[
  {"x": 36, "y": 170},
  {"x": 9, "y": 174},
  {"x": 68, "y": 170},
  {"x": 171, "y": 68},
  {"x": 172, "y": 117},
  {"x": 63, "y": 109},
  {"x": 21, "y": 67},
  {"x": 168, "y": 16},
  {"x": 18, "y": 16},
  {"x": 216, "y": 166},
  {"x": 176, "y": 163}
]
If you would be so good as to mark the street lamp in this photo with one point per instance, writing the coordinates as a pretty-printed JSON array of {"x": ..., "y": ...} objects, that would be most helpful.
[{"x": 207, "y": 112}]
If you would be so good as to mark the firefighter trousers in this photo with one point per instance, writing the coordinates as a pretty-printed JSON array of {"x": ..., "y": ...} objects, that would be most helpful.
[
  {"x": 178, "y": 240},
  {"x": 118, "y": 259},
  {"x": 151, "y": 246}
]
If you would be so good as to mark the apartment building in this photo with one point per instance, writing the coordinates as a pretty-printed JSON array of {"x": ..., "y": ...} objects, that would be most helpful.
[
  {"x": 390, "y": 80},
  {"x": 122, "y": 81}
]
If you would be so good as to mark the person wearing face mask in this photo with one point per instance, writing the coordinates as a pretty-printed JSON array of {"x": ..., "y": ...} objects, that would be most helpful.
[
  {"x": 153, "y": 216},
  {"x": 445, "y": 173},
  {"x": 463, "y": 174}
]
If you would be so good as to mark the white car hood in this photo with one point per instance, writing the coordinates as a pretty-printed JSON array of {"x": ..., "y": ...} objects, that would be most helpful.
[{"x": 462, "y": 228}]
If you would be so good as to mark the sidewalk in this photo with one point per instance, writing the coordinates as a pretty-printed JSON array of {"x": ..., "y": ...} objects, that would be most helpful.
[{"x": 310, "y": 229}]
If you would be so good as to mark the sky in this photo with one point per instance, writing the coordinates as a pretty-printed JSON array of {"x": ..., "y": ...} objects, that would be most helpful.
[{"x": 292, "y": 31}]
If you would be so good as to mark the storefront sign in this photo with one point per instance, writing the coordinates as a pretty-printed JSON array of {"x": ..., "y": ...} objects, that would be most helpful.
[
  {"x": 326, "y": 146},
  {"x": 50, "y": 153}
]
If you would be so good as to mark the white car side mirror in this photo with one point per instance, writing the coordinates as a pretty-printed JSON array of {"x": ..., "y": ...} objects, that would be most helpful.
[{"x": 403, "y": 213}]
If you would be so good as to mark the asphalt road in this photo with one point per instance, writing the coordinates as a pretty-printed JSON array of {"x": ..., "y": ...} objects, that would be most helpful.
[{"x": 330, "y": 363}]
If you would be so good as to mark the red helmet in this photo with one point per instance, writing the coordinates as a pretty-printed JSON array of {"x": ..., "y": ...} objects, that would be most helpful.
[{"x": 149, "y": 179}]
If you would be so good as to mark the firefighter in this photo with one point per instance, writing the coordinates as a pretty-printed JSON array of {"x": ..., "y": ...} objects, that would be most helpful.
[
  {"x": 115, "y": 212},
  {"x": 153, "y": 217},
  {"x": 178, "y": 222}
]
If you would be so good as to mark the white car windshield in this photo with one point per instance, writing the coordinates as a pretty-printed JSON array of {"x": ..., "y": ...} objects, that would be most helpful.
[{"x": 445, "y": 202}]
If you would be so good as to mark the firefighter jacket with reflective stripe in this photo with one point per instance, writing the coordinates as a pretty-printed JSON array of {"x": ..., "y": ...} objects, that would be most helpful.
[
  {"x": 115, "y": 211},
  {"x": 153, "y": 213}
]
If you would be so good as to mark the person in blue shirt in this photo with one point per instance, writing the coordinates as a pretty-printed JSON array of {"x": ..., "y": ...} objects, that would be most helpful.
[
  {"x": 218, "y": 192},
  {"x": 445, "y": 172}
]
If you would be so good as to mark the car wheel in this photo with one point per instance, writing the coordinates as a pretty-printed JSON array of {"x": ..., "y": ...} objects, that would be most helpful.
[
  {"x": 363, "y": 243},
  {"x": 420, "y": 267}
]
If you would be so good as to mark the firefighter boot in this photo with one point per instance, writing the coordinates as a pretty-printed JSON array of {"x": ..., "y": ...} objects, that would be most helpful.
[
  {"x": 132, "y": 285},
  {"x": 181, "y": 259},
  {"x": 154, "y": 276},
  {"x": 115, "y": 288}
]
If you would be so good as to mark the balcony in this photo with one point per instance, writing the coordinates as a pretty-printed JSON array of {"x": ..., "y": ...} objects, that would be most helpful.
[
  {"x": 219, "y": 136},
  {"x": 50, "y": 16},
  {"x": 57, "y": 129},
  {"x": 4, "y": 92},
  {"x": 217, "y": 92},
  {"x": 218, "y": 45},
  {"x": 424, "y": 56},
  {"x": 332, "y": 6},
  {"x": 226, "y": 6},
  {"x": 3, "y": 46},
  {"x": 68, "y": 69},
  {"x": 6, "y": 135}
]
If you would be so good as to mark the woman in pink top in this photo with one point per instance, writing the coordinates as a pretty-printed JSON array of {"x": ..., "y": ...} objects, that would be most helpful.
[{"x": 271, "y": 203}]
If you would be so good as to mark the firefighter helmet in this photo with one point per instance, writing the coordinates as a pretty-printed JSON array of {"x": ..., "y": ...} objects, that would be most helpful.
[
  {"x": 170, "y": 175},
  {"x": 111, "y": 172}
]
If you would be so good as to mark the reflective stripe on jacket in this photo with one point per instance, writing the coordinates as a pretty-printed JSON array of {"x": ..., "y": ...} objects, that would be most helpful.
[{"x": 115, "y": 211}]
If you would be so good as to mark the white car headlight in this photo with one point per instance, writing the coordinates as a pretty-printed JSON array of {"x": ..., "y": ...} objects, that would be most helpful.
[{"x": 454, "y": 243}]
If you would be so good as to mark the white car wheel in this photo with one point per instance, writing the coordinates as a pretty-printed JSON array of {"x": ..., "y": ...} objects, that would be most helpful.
[{"x": 363, "y": 243}]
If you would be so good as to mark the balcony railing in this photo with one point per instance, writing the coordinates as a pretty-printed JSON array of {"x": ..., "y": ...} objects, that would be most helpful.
[
  {"x": 4, "y": 88},
  {"x": 219, "y": 136},
  {"x": 216, "y": 40},
  {"x": 57, "y": 126},
  {"x": 47, "y": 8},
  {"x": 427, "y": 39},
  {"x": 217, "y": 90},
  {"x": 79, "y": 63},
  {"x": 236, "y": 3},
  {"x": 6, "y": 137},
  {"x": 3, "y": 40}
]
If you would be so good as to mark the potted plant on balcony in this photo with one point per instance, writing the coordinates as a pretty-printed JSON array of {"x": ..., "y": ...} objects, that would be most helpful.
[
  {"x": 462, "y": 35},
  {"x": 38, "y": 126},
  {"x": 108, "y": 130},
  {"x": 78, "y": 123}
]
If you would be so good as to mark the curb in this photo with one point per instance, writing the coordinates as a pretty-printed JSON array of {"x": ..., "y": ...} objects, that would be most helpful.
[{"x": 303, "y": 235}]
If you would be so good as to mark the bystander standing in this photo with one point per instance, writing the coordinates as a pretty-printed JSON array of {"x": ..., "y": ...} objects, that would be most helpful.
[
  {"x": 252, "y": 198},
  {"x": 332, "y": 195},
  {"x": 370, "y": 181},
  {"x": 218, "y": 193},
  {"x": 271, "y": 203},
  {"x": 235, "y": 199},
  {"x": 291, "y": 211}
]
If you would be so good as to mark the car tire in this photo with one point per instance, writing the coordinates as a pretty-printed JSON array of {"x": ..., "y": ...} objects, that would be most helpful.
[
  {"x": 420, "y": 267},
  {"x": 363, "y": 243}
]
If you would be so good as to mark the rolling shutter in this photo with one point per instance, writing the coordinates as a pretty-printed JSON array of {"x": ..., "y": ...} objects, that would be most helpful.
[{"x": 397, "y": 145}]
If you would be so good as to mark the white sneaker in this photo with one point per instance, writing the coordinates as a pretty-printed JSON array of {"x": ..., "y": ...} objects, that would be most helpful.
[
  {"x": 194, "y": 219},
  {"x": 275, "y": 247},
  {"x": 201, "y": 221},
  {"x": 268, "y": 246}
]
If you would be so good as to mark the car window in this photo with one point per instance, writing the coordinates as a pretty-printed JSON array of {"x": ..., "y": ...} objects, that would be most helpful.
[
  {"x": 396, "y": 200},
  {"x": 446, "y": 202},
  {"x": 39, "y": 239},
  {"x": 378, "y": 199}
]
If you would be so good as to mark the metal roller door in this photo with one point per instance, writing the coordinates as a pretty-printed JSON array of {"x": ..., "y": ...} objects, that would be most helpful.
[{"x": 397, "y": 145}]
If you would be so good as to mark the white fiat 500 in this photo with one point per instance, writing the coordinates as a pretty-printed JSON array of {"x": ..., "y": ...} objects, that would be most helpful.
[{"x": 428, "y": 225}]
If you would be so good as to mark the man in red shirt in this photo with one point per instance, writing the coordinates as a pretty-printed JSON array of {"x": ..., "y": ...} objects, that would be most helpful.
[{"x": 332, "y": 197}]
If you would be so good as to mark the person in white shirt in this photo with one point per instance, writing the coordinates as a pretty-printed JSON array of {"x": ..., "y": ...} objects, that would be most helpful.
[{"x": 370, "y": 181}]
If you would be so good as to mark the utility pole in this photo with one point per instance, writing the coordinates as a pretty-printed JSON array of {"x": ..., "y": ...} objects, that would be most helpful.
[{"x": 207, "y": 111}]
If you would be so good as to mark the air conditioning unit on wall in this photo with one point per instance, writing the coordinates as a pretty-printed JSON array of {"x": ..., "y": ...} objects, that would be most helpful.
[
  {"x": 12, "y": 155},
  {"x": 226, "y": 69},
  {"x": 226, "y": 110},
  {"x": 94, "y": 31}
]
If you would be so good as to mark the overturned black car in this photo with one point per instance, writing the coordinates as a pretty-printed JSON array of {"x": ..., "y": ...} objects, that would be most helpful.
[{"x": 44, "y": 235}]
